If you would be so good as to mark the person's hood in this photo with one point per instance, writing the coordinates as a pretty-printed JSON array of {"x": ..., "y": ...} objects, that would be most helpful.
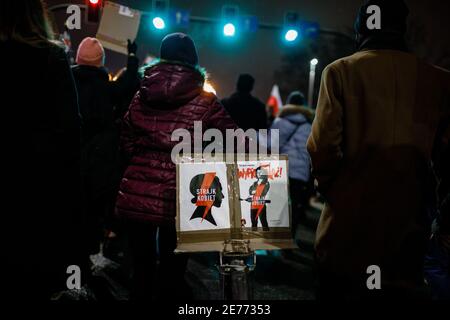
[
  {"x": 83, "y": 72},
  {"x": 169, "y": 85},
  {"x": 297, "y": 114}
]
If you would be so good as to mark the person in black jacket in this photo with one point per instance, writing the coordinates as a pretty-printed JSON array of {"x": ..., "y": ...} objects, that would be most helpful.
[
  {"x": 42, "y": 225},
  {"x": 99, "y": 99},
  {"x": 247, "y": 111}
]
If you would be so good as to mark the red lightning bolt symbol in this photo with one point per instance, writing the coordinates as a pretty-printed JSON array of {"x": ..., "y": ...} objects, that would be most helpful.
[
  {"x": 206, "y": 184},
  {"x": 257, "y": 196}
]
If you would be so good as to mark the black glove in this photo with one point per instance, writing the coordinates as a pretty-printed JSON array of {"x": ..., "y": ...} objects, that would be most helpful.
[{"x": 132, "y": 47}]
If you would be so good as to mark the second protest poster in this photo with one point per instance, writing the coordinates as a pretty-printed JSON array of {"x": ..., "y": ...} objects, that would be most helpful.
[{"x": 264, "y": 196}]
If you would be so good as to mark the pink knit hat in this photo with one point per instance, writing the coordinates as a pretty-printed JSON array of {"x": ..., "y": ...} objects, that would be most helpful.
[{"x": 91, "y": 53}]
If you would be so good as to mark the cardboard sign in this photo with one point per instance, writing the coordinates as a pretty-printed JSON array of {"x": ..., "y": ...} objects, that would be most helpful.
[
  {"x": 118, "y": 24},
  {"x": 217, "y": 201}
]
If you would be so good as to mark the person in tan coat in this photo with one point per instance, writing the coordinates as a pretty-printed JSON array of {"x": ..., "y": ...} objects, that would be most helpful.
[{"x": 378, "y": 119}]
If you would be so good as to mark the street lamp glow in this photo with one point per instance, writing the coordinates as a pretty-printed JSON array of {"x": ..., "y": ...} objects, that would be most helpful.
[
  {"x": 291, "y": 35},
  {"x": 229, "y": 30},
  {"x": 159, "y": 23},
  {"x": 312, "y": 77},
  {"x": 208, "y": 87}
]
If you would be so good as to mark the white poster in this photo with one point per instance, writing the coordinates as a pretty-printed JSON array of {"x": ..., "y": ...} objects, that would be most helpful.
[
  {"x": 118, "y": 24},
  {"x": 203, "y": 196},
  {"x": 264, "y": 194}
]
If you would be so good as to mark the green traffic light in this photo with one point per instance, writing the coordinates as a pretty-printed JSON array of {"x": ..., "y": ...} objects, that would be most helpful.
[
  {"x": 159, "y": 23},
  {"x": 229, "y": 30},
  {"x": 291, "y": 35}
]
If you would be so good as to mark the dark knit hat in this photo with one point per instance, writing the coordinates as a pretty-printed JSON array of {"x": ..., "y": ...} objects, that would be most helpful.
[
  {"x": 245, "y": 83},
  {"x": 393, "y": 17},
  {"x": 179, "y": 47},
  {"x": 296, "y": 98}
]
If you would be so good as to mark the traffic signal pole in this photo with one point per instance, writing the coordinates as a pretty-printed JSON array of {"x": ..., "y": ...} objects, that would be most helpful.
[{"x": 207, "y": 20}]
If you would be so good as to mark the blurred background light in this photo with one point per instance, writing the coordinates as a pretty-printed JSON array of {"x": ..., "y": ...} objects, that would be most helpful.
[
  {"x": 291, "y": 35},
  {"x": 229, "y": 30},
  {"x": 159, "y": 23}
]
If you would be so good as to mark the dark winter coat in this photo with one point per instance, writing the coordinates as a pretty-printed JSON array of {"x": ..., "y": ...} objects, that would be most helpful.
[
  {"x": 247, "y": 111},
  {"x": 99, "y": 99},
  {"x": 100, "y": 138},
  {"x": 41, "y": 220},
  {"x": 294, "y": 127},
  {"x": 171, "y": 97}
]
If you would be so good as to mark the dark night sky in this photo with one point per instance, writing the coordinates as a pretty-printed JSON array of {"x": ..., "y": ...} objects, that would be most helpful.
[{"x": 260, "y": 53}]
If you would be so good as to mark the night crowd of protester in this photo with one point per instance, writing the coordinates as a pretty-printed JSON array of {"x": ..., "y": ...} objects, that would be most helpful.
[{"x": 86, "y": 158}]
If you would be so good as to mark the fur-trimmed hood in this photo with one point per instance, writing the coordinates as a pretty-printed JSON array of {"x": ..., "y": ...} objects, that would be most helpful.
[
  {"x": 291, "y": 110},
  {"x": 294, "y": 128}
]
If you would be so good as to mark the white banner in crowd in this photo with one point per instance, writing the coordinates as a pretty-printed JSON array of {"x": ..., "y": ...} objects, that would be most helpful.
[{"x": 117, "y": 25}]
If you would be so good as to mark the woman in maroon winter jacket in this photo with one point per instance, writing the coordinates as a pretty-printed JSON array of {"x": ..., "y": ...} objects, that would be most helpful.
[{"x": 171, "y": 97}]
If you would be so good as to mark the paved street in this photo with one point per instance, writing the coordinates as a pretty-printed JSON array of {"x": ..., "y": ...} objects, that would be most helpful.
[{"x": 279, "y": 275}]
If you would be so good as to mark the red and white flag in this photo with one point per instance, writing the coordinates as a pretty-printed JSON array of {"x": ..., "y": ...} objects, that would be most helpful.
[{"x": 274, "y": 103}]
